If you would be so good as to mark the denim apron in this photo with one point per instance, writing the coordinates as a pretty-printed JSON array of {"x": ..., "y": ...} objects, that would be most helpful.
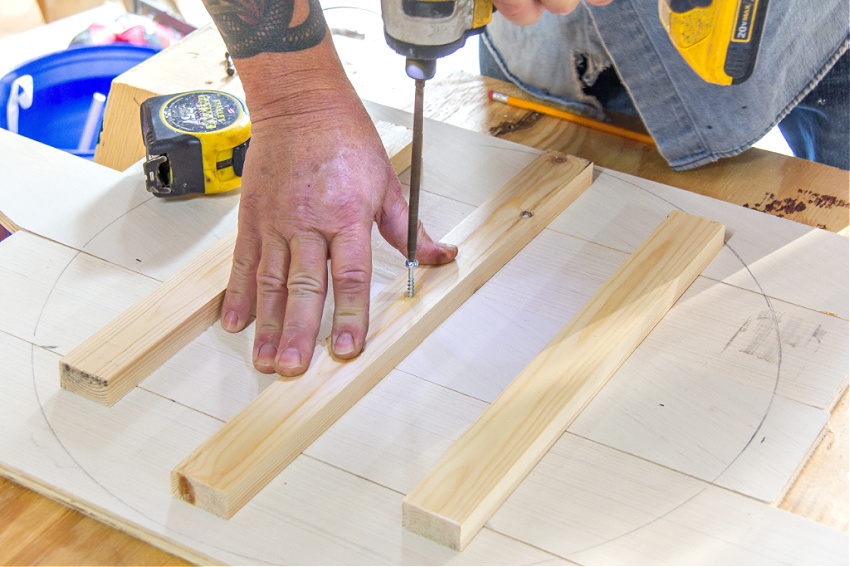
[{"x": 693, "y": 122}]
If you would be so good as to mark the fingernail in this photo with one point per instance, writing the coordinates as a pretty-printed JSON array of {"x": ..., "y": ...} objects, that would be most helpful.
[
  {"x": 230, "y": 321},
  {"x": 266, "y": 354},
  {"x": 289, "y": 358},
  {"x": 344, "y": 344}
]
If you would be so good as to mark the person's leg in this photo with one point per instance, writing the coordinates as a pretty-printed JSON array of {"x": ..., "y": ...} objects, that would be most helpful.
[{"x": 818, "y": 128}]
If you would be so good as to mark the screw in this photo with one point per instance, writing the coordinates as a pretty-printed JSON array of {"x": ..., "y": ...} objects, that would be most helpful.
[
  {"x": 410, "y": 282},
  {"x": 526, "y": 214}
]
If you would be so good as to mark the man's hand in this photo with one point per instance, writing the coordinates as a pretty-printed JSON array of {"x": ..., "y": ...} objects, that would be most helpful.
[
  {"x": 316, "y": 177},
  {"x": 526, "y": 12}
]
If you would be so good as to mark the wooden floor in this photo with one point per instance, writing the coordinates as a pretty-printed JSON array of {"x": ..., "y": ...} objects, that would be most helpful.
[{"x": 28, "y": 519}]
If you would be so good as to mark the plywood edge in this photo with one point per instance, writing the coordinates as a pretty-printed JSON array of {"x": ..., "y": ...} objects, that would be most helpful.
[
  {"x": 291, "y": 413},
  {"x": 819, "y": 492},
  {"x": 779, "y": 498},
  {"x": 111, "y": 519},
  {"x": 477, "y": 474}
]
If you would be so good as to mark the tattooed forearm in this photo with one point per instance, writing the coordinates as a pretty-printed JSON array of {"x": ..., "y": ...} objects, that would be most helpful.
[{"x": 250, "y": 27}]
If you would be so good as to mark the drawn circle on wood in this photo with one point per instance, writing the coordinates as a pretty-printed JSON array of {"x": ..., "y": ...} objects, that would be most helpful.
[{"x": 115, "y": 491}]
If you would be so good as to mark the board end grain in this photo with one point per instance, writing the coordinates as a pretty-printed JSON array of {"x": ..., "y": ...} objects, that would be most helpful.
[
  {"x": 431, "y": 526},
  {"x": 91, "y": 386},
  {"x": 200, "y": 495}
]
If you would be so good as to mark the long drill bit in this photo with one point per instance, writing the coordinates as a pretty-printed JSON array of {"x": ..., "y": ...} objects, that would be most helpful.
[{"x": 415, "y": 183}]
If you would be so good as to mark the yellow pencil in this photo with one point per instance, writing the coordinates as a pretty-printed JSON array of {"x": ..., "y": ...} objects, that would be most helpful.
[{"x": 583, "y": 120}]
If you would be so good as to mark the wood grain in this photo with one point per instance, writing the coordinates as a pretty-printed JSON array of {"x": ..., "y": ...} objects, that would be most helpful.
[
  {"x": 827, "y": 500},
  {"x": 111, "y": 362},
  {"x": 221, "y": 476},
  {"x": 327, "y": 509},
  {"x": 469, "y": 483},
  {"x": 29, "y": 519},
  {"x": 461, "y": 100}
]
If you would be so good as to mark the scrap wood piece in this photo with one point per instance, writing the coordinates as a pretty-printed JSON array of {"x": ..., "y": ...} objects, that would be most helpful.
[
  {"x": 469, "y": 483},
  {"x": 116, "y": 358},
  {"x": 233, "y": 465}
]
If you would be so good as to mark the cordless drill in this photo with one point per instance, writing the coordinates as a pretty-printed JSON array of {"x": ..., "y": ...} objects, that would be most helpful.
[{"x": 423, "y": 31}]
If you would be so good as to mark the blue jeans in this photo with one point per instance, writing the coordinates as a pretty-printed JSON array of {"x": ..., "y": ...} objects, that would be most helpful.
[
  {"x": 800, "y": 81},
  {"x": 818, "y": 129}
]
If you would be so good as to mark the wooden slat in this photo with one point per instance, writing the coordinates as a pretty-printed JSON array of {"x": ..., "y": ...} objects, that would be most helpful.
[
  {"x": 223, "y": 474},
  {"x": 477, "y": 474},
  {"x": 115, "y": 359}
]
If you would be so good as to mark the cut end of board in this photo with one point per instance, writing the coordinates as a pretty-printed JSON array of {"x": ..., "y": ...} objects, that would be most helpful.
[
  {"x": 89, "y": 386},
  {"x": 431, "y": 526},
  {"x": 200, "y": 495},
  {"x": 478, "y": 473}
]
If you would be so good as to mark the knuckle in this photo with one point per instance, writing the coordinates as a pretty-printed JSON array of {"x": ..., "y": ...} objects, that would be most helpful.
[
  {"x": 351, "y": 280},
  {"x": 350, "y": 317},
  {"x": 242, "y": 267},
  {"x": 303, "y": 285},
  {"x": 270, "y": 284}
]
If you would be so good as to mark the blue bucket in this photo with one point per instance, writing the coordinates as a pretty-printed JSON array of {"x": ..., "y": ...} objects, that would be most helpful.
[{"x": 63, "y": 93}]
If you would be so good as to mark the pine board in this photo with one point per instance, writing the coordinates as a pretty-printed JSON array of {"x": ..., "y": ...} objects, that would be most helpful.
[
  {"x": 340, "y": 502},
  {"x": 113, "y": 360},
  {"x": 475, "y": 476},
  {"x": 221, "y": 476},
  {"x": 118, "y": 356}
]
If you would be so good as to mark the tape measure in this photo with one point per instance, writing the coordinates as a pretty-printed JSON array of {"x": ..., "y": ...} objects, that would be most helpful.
[
  {"x": 195, "y": 142},
  {"x": 719, "y": 39}
]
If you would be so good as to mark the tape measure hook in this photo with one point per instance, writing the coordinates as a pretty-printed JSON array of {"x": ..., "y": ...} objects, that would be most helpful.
[{"x": 156, "y": 175}]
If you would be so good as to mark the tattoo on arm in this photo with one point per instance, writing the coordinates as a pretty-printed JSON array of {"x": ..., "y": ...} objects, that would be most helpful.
[{"x": 251, "y": 27}]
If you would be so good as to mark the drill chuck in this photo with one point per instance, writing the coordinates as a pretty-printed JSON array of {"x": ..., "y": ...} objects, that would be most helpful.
[{"x": 425, "y": 30}]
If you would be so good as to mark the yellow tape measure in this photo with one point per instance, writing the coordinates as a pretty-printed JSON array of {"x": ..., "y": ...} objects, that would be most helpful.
[{"x": 195, "y": 142}]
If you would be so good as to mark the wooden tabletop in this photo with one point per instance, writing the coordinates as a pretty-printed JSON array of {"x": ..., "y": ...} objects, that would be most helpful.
[{"x": 35, "y": 530}]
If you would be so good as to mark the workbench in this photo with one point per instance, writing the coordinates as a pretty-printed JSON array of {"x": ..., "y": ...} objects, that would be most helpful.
[{"x": 805, "y": 192}]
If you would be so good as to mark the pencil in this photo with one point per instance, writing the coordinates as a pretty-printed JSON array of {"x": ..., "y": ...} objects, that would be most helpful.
[{"x": 569, "y": 116}]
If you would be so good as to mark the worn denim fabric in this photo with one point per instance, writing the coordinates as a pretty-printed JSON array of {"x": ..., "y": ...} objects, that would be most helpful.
[
  {"x": 693, "y": 122},
  {"x": 818, "y": 129}
]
